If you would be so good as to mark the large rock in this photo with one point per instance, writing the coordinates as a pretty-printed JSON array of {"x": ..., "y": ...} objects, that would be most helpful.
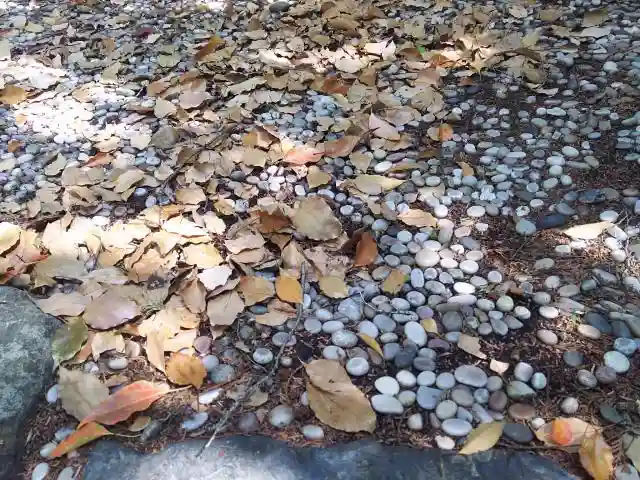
[
  {"x": 25, "y": 369},
  {"x": 260, "y": 458}
]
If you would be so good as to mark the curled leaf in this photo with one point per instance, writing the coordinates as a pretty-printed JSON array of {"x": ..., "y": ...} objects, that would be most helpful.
[
  {"x": 371, "y": 342},
  {"x": 87, "y": 433},
  {"x": 596, "y": 456}
]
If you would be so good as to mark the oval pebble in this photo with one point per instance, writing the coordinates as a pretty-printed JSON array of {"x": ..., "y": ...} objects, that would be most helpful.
[
  {"x": 195, "y": 421},
  {"x": 312, "y": 432},
  {"x": 281, "y": 416},
  {"x": 386, "y": 404},
  {"x": 617, "y": 361},
  {"x": 40, "y": 471},
  {"x": 456, "y": 427},
  {"x": 357, "y": 366}
]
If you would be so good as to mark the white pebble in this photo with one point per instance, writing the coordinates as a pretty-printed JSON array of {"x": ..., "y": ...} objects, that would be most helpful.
[{"x": 357, "y": 366}]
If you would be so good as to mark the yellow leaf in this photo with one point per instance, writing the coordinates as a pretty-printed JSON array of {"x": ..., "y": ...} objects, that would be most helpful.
[
  {"x": 429, "y": 325},
  {"x": 371, "y": 342},
  {"x": 467, "y": 170},
  {"x": 482, "y": 438},
  {"x": 393, "y": 283},
  {"x": 185, "y": 370},
  {"x": 288, "y": 289},
  {"x": 333, "y": 287},
  {"x": 596, "y": 457},
  {"x": 12, "y": 95}
]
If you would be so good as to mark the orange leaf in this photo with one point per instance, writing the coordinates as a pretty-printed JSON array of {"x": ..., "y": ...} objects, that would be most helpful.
[
  {"x": 125, "y": 402},
  {"x": 596, "y": 456},
  {"x": 211, "y": 46},
  {"x": 366, "y": 251},
  {"x": 288, "y": 289},
  {"x": 445, "y": 132},
  {"x": 334, "y": 85},
  {"x": 341, "y": 147},
  {"x": 101, "y": 158},
  {"x": 272, "y": 222},
  {"x": 302, "y": 155},
  {"x": 185, "y": 370},
  {"x": 561, "y": 432},
  {"x": 84, "y": 435}
]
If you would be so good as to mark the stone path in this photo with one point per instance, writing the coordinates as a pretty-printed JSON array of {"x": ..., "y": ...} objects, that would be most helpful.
[{"x": 458, "y": 181}]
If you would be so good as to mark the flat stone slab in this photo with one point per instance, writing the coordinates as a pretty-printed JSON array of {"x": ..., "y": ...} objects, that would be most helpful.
[
  {"x": 261, "y": 458},
  {"x": 26, "y": 369}
]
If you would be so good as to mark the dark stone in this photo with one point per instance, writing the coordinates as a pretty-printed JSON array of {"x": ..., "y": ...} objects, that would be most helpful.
[
  {"x": 279, "y": 7},
  {"x": 551, "y": 221},
  {"x": 518, "y": 432},
  {"x": 405, "y": 356},
  {"x": 251, "y": 458},
  {"x": 573, "y": 358},
  {"x": 524, "y": 195},
  {"x": 620, "y": 329},
  {"x": 423, "y": 364},
  {"x": 600, "y": 322},
  {"x": 439, "y": 344},
  {"x": 26, "y": 369},
  {"x": 610, "y": 414},
  {"x": 593, "y": 195}
]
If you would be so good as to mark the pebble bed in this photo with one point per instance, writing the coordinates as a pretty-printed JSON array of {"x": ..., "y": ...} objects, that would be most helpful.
[{"x": 530, "y": 151}]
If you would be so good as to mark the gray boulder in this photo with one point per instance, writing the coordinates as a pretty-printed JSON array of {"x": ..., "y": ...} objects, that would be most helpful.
[
  {"x": 253, "y": 458},
  {"x": 26, "y": 369}
]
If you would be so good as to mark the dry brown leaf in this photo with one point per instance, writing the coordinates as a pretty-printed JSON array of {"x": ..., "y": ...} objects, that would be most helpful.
[
  {"x": 335, "y": 400},
  {"x": 315, "y": 219},
  {"x": 375, "y": 184},
  {"x": 417, "y": 218},
  {"x": 164, "y": 108},
  {"x": 467, "y": 170},
  {"x": 110, "y": 310},
  {"x": 394, "y": 282},
  {"x": 255, "y": 289},
  {"x": 204, "y": 255},
  {"x": 271, "y": 222},
  {"x": 288, "y": 289},
  {"x": 316, "y": 177},
  {"x": 215, "y": 277},
  {"x": 550, "y": 14},
  {"x": 155, "y": 348},
  {"x": 245, "y": 242},
  {"x": 194, "y": 295},
  {"x": 139, "y": 424},
  {"x": 211, "y": 46},
  {"x": 67, "y": 304},
  {"x": 341, "y": 147},
  {"x": 382, "y": 128},
  {"x": 106, "y": 341},
  {"x": 80, "y": 392},
  {"x": 470, "y": 345},
  {"x": 589, "y": 231},
  {"x": 360, "y": 160},
  {"x": 9, "y": 236},
  {"x": 366, "y": 251},
  {"x": 595, "y": 18},
  {"x": 274, "y": 318},
  {"x": 223, "y": 309},
  {"x": 191, "y": 195},
  {"x": 333, "y": 287},
  {"x": 185, "y": 370},
  {"x": 578, "y": 427},
  {"x": 12, "y": 95}
]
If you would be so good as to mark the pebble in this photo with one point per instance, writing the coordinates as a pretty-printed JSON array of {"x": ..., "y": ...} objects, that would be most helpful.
[
  {"x": 357, "y": 366},
  {"x": 547, "y": 337},
  {"x": 617, "y": 361},
  {"x": 386, "y": 404},
  {"x": 606, "y": 375},
  {"x": 248, "y": 422},
  {"x": 518, "y": 432},
  {"x": 523, "y": 372},
  {"x": 569, "y": 405},
  {"x": 415, "y": 422},
  {"x": 446, "y": 409},
  {"x": 118, "y": 363},
  {"x": 195, "y": 421},
  {"x": 587, "y": 379},
  {"x": 281, "y": 416},
  {"x": 67, "y": 473},
  {"x": 312, "y": 432},
  {"x": 590, "y": 332},
  {"x": 387, "y": 386},
  {"x": 471, "y": 375},
  {"x": 262, "y": 356},
  {"x": 456, "y": 427},
  {"x": 40, "y": 471},
  {"x": 445, "y": 443},
  {"x": 519, "y": 390},
  {"x": 53, "y": 393},
  {"x": 538, "y": 381},
  {"x": 210, "y": 396},
  {"x": 428, "y": 397},
  {"x": 626, "y": 346}
]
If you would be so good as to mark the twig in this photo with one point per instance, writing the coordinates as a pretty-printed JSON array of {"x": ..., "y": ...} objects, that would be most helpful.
[{"x": 276, "y": 361}]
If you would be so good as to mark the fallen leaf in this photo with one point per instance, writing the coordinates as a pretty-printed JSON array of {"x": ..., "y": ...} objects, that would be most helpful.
[
  {"x": 80, "y": 392},
  {"x": 315, "y": 219},
  {"x": 215, "y": 277},
  {"x": 335, "y": 400},
  {"x": 302, "y": 155},
  {"x": 66, "y": 304},
  {"x": 498, "y": 367},
  {"x": 595, "y": 17},
  {"x": 470, "y": 345},
  {"x": 429, "y": 325},
  {"x": 155, "y": 348},
  {"x": 110, "y": 310},
  {"x": 333, "y": 287},
  {"x": 316, "y": 177},
  {"x": 9, "y": 236},
  {"x": 86, "y": 434},
  {"x": 383, "y": 129},
  {"x": 371, "y": 342},
  {"x": 204, "y": 255},
  {"x": 12, "y": 95},
  {"x": 271, "y": 222},
  {"x": 375, "y": 184},
  {"x": 164, "y": 108},
  {"x": 273, "y": 319},
  {"x": 394, "y": 282},
  {"x": 417, "y": 218},
  {"x": 131, "y": 398},
  {"x": 244, "y": 242},
  {"x": 223, "y": 309},
  {"x": 588, "y": 231},
  {"x": 139, "y": 424},
  {"x": 341, "y": 147},
  {"x": 596, "y": 456},
  {"x": 482, "y": 438},
  {"x": 68, "y": 340},
  {"x": 595, "y": 32},
  {"x": 255, "y": 289},
  {"x": 185, "y": 370},
  {"x": 106, "y": 341},
  {"x": 210, "y": 47},
  {"x": 549, "y": 14},
  {"x": 445, "y": 132},
  {"x": 571, "y": 430},
  {"x": 360, "y": 160},
  {"x": 467, "y": 170},
  {"x": 288, "y": 289},
  {"x": 366, "y": 251}
]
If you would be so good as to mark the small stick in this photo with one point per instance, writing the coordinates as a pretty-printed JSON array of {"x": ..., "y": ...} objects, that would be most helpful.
[{"x": 276, "y": 361}]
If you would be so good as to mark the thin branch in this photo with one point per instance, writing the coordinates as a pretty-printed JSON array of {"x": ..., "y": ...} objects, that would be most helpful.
[{"x": 276, "y": 362}]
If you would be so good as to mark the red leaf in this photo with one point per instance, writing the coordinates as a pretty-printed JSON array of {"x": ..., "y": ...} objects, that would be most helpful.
[
  {"x": 125, "y": 402},
  {"x": 84, "y": 435}
]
